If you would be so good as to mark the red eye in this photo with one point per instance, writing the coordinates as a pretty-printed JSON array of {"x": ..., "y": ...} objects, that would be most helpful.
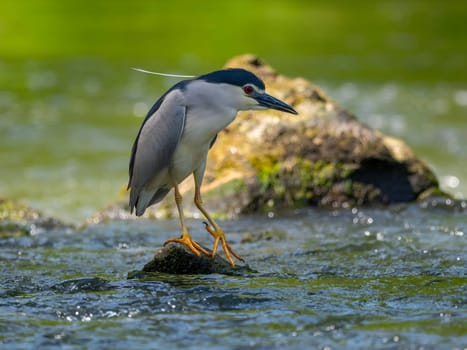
[{"x": 248, "y": 89}]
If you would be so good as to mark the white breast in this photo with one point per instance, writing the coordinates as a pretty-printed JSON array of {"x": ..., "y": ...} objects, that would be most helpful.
[{"x": 207, "y": 113}]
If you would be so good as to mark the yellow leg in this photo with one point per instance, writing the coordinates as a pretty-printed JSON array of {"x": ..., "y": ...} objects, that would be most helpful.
[
  {"x": 185, "y": 238},
  {"x": 216, "y": 231}
]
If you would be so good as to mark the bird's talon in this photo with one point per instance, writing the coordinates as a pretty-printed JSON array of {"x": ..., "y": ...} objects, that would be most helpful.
[
  {"x": 209, "y": 229},
  {"x": 188, "y": 242},
  {"x": 219, "y": 235},
  {"x": 201, "y": 249},
  {"x": 233, "y": 253}
]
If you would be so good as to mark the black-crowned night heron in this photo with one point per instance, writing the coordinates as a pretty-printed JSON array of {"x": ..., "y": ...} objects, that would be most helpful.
[{"x": 176, "y": 135}]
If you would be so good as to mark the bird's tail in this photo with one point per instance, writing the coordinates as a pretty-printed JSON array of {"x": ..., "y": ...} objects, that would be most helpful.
[{"x": 142, "y": 200}]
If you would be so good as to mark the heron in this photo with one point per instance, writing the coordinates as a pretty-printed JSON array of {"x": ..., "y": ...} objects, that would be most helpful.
[{"x": 175, "y": 137}]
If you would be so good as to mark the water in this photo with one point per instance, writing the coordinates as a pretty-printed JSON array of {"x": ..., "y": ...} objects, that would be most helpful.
[
  {"x": 389, "y": 278},
  {"x": 70, "y": 108}
]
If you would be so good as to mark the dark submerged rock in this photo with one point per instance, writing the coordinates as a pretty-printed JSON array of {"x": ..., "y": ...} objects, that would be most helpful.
[
  {"x": 175, "y": 258},
  {"x": 85, "y": 284}
]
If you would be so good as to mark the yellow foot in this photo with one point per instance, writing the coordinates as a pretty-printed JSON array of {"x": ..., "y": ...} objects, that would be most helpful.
[
  {"x": 186, "y": 240},
  {"x": 219, "y": 235}
]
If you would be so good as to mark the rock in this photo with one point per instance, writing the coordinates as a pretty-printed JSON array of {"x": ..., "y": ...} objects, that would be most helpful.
[
  {"x": 176, "y": 258},
  {"x": 324, "y": 156},
  {"x": 269, "y": 160},
  {"x": 17, "y": 219}
]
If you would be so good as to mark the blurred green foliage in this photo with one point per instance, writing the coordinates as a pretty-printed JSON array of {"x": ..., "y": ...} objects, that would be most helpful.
[{"x": 362, "y": 39}]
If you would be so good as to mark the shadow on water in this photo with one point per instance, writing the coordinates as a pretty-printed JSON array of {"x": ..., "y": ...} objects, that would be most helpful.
[{"x": 359, "y": 278}]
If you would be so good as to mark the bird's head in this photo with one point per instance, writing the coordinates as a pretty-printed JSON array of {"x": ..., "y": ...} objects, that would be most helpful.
[{"x": 245, "y": 90}]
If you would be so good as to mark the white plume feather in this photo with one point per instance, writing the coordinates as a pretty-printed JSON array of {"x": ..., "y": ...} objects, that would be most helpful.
[{"x": 163, "y": 74}]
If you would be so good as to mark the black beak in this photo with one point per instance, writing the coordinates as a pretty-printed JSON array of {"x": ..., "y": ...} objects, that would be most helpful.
[{"x": 268, "y": 101}]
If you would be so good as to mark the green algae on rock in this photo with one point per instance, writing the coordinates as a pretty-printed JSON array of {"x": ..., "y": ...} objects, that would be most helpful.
[{"x": 17, "y": 219}]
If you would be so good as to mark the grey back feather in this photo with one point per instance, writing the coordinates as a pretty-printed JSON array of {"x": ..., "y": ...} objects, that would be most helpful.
[
  {"x": 179, "y": 86},
  {"x": 156, "y": 142}
]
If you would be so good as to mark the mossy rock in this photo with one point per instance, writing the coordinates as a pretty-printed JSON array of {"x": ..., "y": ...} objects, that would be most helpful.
[
  {"x": 322, "y": 157},
  {"x": 17, "y": 219}
]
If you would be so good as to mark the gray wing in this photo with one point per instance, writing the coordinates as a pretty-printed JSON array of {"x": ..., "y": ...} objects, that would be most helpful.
[{"x": 156, "y": 143}]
